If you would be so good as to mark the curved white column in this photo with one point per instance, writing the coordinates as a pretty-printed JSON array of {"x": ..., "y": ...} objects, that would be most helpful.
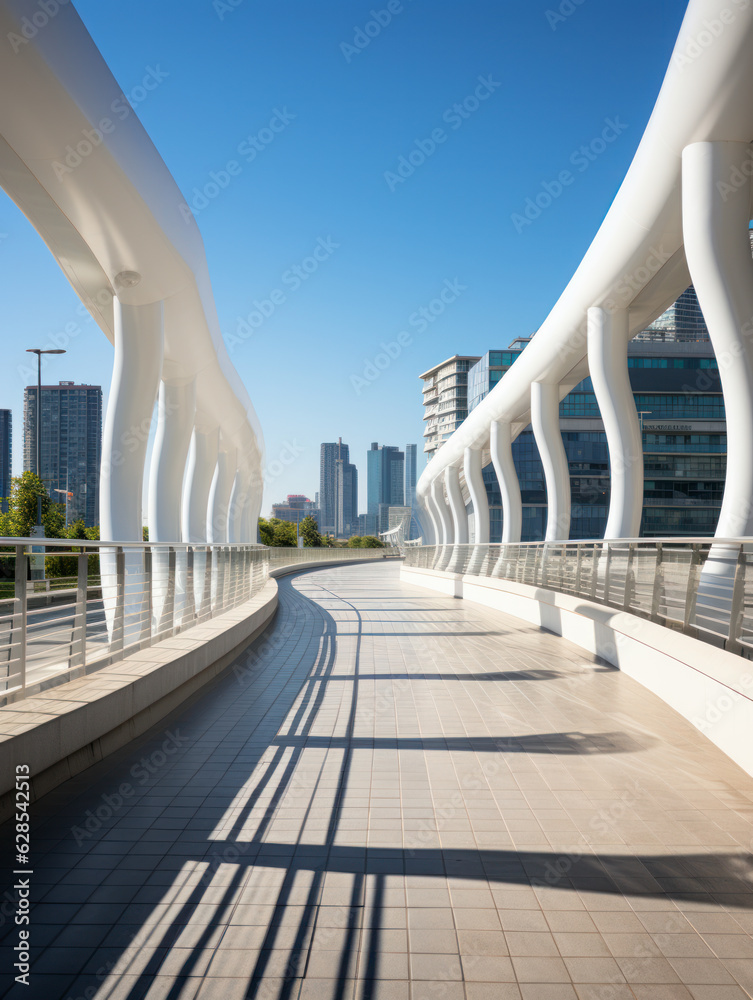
[
  {"x": 428, "y": 521},
  {"x": 219, "y": 497},
  {"x": 457, "y": 507},
  {"x": 459, "y": 517},
  {"x": 447, "y": 534},
  {"x": 202, "y": 462},
  {"x": 136, "y": 371},
  {"x": 175, "y": 416},
  {"x": 716, "y": 212},
  {"x": 545, "y": 420},
  {"x": 239, "y": 500},
  {"x": 253, "y": 510},
  {"x": 509, "y": 486},
  {"x": 608, "y": 337},
  {"x": 176, "y": 411},
  {"x": 474, "y": 477},
  {"x": 139, "y": 342}
]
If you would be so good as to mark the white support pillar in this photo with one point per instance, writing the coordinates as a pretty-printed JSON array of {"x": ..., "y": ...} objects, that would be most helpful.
[
  {"x": 474, "y": 477},
  {"x": 716, "y": 208},
  {"x": 507, "y": 477},
  {"x": 202, "y": 462},
  {"x": 607, "y": 362},
  {"x": 239, "y": 500},
  {"x": 177, "y": 409},
  {"x": 219, "y": 497},
  {"x": 545, "y": 419},
  {"x": 459, "y": 519},
  {"x": 428, "y": 520},
  {"x": 717, "y": 247},
  {"x": 256, "y": 491},
  {"x": 136, "y": 371},
  {"x": 139, "y": 340},
  {"x": 175, "y": 417},
  {"x": 457, "y": 507},
  {"x": 437, "y": 493}
]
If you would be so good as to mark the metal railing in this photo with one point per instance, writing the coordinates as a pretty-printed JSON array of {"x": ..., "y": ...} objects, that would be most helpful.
[
  {"x": 107, "y": 601},
  {"x": 702, "y": 587}
]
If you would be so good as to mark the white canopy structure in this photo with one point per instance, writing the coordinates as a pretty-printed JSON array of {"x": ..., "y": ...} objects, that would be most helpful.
[{"x": 77, "y": 161}]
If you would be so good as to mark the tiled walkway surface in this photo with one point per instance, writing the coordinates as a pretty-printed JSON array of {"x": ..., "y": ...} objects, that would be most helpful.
[{"x": 399, "y": 795}]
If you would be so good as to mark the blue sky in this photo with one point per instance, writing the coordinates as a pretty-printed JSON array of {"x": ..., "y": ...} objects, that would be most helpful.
[{"x": 316, "y": 118}]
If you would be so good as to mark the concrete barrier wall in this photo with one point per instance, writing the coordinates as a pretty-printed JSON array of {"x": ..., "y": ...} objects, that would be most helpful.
[{"x": 711, "y": 688}]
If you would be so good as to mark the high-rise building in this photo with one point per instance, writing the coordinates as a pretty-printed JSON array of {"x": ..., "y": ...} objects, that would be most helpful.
[
  {"x": 445, "y": 399},
  {"x": 682, "y": 323},
  {"x": 675, "y": 381},
  {"x": 71, "y": 444},
  {"x": 296, "y": 509},
  {"x": 385, "y": 482},
  {"x": 6, "y": 455},
  {"x": 338, "y": 491},
  {"x": 346, "y": 502},
  {"x": 411, "y": 478}
]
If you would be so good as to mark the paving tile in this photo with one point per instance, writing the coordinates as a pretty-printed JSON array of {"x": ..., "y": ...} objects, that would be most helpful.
[{"x": 344, "y": 833}]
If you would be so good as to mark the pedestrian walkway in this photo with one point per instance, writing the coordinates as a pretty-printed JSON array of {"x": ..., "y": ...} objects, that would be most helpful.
[{"x": 395, "y": 795}]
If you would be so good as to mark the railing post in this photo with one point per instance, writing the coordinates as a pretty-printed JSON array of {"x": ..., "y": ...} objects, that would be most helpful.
[
  {"x": 578, "y": 568},
  {"x": 629, "y": 591},
  {"x": 189, "y": 604},
  {"x": 205, "y": 609},
  {"x": 78, "y": 646},
  {"x": 118, "y": 624},
  {"x": 691, "y": 593},
  {"x": 607, "y": 569},
  {"x": 658, "y": 588},
  {"x": 147, "y": 606},
  {"x": 595, "y": 563},
  {"x": 18, "y": 646},
  {"x": 733, "y": 644}
]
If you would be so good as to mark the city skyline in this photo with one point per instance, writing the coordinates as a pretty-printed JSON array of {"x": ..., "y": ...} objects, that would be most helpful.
[{"x": 395, "y": 249}]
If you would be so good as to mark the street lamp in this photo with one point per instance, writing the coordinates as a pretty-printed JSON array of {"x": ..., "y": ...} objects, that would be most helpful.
[{"x": 39, "y": 530}]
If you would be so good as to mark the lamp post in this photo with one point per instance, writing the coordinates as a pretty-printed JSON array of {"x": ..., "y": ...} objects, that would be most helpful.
[{"x": 36, "y": 572}]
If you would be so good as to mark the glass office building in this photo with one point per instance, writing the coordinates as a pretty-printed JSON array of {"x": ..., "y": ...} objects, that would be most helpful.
[
  {"x": 71, "y": 444},
  {"x": 385, "y": 483}
]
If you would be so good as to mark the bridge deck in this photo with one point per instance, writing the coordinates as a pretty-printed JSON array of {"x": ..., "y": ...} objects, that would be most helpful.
[{"x": 403, "y": 796}]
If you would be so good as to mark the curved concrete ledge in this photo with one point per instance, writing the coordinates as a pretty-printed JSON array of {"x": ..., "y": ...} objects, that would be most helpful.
[
  {"x": 711, "y": 688},
  {"x": 66, "y": 729}
]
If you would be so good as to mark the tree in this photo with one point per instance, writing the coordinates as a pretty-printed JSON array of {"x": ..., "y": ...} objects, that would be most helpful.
[
  {"x": 371, "y": 542},
  {"x": 355, "y": 542},
  {"x": 22, "y": 509},
  {"x": 57, "y": 566},
  {"x": 277, "y": 533},
  {"x": 266, "y": 531},
  {"x": 309, "y": 530}
]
